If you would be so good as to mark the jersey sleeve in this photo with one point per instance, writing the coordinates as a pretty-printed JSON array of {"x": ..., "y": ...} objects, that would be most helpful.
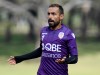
[{"x": 71, "y": 43}]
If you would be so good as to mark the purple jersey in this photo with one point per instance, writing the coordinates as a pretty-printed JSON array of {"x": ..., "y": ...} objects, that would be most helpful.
[{"x": 56, "y": 44}]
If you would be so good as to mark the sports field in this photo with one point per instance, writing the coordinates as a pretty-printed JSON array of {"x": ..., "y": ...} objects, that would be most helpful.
[{"x": 87, "y": 65}]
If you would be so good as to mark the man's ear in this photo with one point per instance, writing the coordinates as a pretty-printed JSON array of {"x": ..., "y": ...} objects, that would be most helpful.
[{"x": 61, "y": 16}]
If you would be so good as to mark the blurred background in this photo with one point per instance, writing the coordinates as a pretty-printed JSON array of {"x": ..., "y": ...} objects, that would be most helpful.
[{"x": 20, "y": 24}]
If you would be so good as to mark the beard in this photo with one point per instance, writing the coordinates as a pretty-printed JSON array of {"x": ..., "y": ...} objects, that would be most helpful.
[{"x": 53, "y": 24}]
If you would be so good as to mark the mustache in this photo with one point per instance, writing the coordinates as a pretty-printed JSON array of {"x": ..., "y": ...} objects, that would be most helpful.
[{"x": 50, "y": 20}]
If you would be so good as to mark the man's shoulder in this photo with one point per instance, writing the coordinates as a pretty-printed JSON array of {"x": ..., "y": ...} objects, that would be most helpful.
[
  {"x": 66, "y": 28},
  {"x": 68, "y": 31},
  {"x": 44, "y": 28}
]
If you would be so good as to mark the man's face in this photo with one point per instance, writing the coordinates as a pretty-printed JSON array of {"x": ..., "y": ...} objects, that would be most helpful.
[{"x": 54, "y": 17}]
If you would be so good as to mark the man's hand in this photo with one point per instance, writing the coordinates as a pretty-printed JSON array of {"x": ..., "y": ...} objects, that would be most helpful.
[
  {"x": 12, "y": 60},
  {"x": 60, "y": 61}
]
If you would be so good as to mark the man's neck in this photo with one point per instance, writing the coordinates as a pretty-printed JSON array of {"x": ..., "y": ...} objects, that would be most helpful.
[{"x": 57, "y": 27}]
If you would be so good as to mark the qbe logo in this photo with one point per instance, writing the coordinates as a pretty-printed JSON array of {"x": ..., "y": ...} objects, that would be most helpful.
[{"x": 51, "y": 47}]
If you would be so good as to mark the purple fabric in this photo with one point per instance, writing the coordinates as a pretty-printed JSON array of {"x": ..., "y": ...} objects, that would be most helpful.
[{"x": 56, "y": 44}]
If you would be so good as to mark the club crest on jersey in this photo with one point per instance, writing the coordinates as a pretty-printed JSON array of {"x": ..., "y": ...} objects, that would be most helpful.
[
  {"x": 43, "y": 35},
  {"x": 61, "y": 35}
]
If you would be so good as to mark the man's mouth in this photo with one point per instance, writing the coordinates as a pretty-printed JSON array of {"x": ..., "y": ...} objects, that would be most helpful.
[{"x": 50, "y": 20}]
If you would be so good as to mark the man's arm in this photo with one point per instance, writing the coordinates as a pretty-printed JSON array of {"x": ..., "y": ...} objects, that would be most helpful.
[
  {"x": 35, "y": 54},
  {"x": 71, "y": 60},
  {"x": 72, "y": 48},
  {"x": 17, "y": 59}
]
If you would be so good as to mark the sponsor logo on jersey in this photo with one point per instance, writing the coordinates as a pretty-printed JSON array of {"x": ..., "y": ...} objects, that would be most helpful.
[
  {"x": 51, "y": 55},
  {"x": 61, "y": 35},
  {"x": 51, "y": 50},
  {"x": 51, "y": 47}
]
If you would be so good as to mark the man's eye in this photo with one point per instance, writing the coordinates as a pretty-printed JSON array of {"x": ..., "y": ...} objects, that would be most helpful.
[
  {"x": 53, "y": 14},
  {"x": 48, "y": 13}
]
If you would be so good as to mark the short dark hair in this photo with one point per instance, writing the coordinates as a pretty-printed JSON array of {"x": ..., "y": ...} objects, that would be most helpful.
[{"x": 59, "y": 6}]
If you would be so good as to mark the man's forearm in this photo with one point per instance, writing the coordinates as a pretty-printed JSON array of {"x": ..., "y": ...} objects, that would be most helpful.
[
  {"x": 72, "y": 60},
  {"x": 35, "y": 54}
]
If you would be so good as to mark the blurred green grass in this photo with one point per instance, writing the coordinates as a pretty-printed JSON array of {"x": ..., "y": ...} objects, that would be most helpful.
[
  {"x": 24, "y": 68},
  {"x": 88, "y": 64},
  {"x": 91, "y": 46}
]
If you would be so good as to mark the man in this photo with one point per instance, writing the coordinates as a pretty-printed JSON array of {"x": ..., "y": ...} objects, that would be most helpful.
[{"x": 57, "y": 46}]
